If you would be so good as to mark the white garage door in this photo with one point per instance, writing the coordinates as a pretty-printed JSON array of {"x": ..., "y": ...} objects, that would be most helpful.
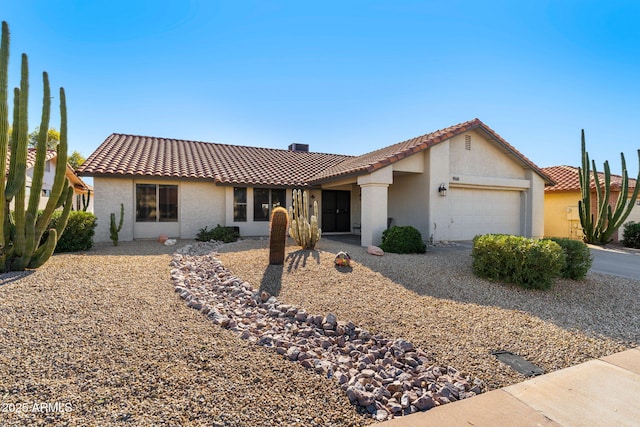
[{"x": 480, "y": 211}]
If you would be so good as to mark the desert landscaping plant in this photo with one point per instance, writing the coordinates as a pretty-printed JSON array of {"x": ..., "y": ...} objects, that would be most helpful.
[
  {"x": 578, "y": 258},
  {"x": 403, "y": 240},
  {"x": 598, "y": 227},
  {"x": 631, "y": 235},
  {"x": 82, "y": 201},
  {"x": 219, "y": 234},
  {"x": 21, "y": 243},
  {"x": 302, "y": 229},
  {"x": 530, "y": 263},
  {"x": 278, "y": 235},
  {"x": 78, "y": 234},
  {"x": 115, "y": 229}
]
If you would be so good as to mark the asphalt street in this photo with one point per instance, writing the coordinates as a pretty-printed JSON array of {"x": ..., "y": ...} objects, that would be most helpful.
[{"x": 617, "y": 262}]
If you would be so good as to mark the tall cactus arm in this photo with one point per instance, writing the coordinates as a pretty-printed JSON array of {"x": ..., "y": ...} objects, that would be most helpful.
[
  {"x": 4, "y": 136},
  {"x": 600, "y": 197},
  {"x": 60, "y": 178},
  {"x": 20, "y": 263},
  {"x": 44, "y": 252},
  {"x": 584, "y": 208},
  {"x": 17, "y": 174},
  {"x": 41, "y": 149},
  {"x": 17, "y": 163}
]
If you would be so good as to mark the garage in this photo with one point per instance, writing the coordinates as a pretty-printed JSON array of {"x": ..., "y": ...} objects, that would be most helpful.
[{"x": 481, "y": 211}]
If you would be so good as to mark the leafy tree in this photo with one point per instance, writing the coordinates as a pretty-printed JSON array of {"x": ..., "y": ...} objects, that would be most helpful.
[
  {"x": 76, "y": 160},
  {"x": 53, "y": 138}
]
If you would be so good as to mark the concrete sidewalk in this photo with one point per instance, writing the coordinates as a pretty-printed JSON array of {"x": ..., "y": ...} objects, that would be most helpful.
[{"x": 602, "y": 392}]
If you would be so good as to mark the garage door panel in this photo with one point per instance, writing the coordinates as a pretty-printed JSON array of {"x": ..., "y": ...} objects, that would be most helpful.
[{"x": 482, "y": 211}]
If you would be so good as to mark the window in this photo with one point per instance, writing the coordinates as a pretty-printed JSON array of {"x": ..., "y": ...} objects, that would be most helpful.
[
  {"x": 265, "y": 200},
  {"x": 239, "y": 204},
  {"x": 156, "y": 203},
  {"x": 46, "y": 192}
]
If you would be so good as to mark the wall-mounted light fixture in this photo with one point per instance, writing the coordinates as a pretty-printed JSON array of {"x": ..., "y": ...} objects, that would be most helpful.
[{"x": 442, "y": 190}]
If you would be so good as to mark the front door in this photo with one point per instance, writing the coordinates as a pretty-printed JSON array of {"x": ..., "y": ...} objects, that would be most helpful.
[{"x": 336, "y": 212}]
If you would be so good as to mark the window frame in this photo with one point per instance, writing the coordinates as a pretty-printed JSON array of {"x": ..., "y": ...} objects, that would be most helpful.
[
  {"x": 239, "y": 204},
  {"x": 156, "y": 211},
  {"x": 272, "y": 202}
]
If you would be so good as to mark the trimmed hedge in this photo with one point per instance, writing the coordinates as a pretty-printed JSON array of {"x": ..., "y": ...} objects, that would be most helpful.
[
  {"x": 578, "y": 258},
  {"x": 530, "y": 263},
  {"x": 78, "y": 234},
  {"x": 631, "y": 235},
  {"x": 403, "y": 240},
  {"x": 219, "y": 234}
]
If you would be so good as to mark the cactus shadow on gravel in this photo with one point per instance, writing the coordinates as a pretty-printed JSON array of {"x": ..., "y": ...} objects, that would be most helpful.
[{"x": 294, "y": 259}]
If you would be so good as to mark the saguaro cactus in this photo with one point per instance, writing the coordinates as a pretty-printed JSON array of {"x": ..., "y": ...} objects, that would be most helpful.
[
  {"x": 599, "y": 227},
  {"x": 22, "y": 231},
  {"x": 304, "y": 230},
  {"x": 278, "y": 235}
]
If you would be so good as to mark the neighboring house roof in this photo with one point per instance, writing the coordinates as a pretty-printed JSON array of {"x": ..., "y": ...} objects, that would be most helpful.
[
  {"x": 75, "y": 180},
  {"x": 567, "y": 179},
  {"x": 31, "y": 157},
  {"x": 133, "y": 155}
]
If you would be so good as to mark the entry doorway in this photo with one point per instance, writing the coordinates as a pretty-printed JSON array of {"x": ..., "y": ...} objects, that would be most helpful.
[{"x": 336, "y": 211}]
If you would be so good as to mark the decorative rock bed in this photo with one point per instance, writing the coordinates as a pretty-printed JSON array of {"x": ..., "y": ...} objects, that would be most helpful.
[{"x": 383, "y": 377}]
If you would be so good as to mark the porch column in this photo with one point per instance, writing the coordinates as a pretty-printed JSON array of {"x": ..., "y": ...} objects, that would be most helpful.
[{"x": 374, "y": 199}]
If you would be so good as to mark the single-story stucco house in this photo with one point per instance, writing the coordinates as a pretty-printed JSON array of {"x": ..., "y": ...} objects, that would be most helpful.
[
  {"x": 451, "y": 184},
  {"x": 561, "y": 216}
]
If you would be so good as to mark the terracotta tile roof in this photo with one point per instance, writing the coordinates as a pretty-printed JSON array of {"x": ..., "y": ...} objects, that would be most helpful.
[
  {"x": 374, "y": 160},
  {"x": 75, "y": 180},
  {"x": 31, "y": 157},
  {"x": 566, "y": 178},
  {"x": 133, "y": 155}
]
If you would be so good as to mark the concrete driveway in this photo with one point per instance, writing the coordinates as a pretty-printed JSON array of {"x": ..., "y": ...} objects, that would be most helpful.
[{"x": 616, "y": 261}]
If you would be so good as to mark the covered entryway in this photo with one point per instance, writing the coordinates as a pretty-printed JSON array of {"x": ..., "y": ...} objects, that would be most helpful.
[
  {"x": 336, "y": 211},
  {"x": 480, "y": 211}
]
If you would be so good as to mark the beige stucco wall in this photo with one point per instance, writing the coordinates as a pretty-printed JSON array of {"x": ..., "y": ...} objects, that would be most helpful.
[
  {"x": 414, "y": 198},
  {"x": 250, "y": 227},
  {"x": 200, "y": 204},
  {"x": 112, "y": 192},
  {"x": 484, "y": 158},
  {"x": 411, "y": 190}
]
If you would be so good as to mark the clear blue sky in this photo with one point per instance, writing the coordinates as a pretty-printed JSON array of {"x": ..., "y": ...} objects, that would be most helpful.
[{"x": 342, "y": 76}]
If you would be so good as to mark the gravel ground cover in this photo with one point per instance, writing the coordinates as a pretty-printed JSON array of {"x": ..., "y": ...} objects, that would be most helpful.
[
  {"x": 104, "y": 336},
  {"x": 435, "y": 301},
  {"x": 102, "y": 339}
]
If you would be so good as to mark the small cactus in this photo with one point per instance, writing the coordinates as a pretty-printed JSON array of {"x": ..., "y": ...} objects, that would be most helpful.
[
  {"x": 116, "y": 229},
  {"x": 304, "y": 230},
  {"x": 82, "y": 201},
  {"x": 278, "y": 235}
]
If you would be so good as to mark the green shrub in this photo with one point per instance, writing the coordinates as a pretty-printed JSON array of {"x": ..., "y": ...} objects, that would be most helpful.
[
  {"x": 220, "y": 234},
  {"x": 78, "y": 234},
  {"x": 631, "y": 235},
  {"x": 403, "y": 240},
  {"x": 578, "y": 258},
  {"x": 530, "y": 263}
]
